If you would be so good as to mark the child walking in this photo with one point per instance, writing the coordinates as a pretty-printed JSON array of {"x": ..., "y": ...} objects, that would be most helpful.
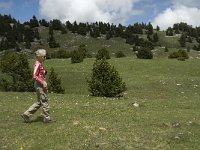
[{"x": 40, "y": 85}]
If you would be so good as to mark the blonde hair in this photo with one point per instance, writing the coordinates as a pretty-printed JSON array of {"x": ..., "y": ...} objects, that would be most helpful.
[{"x": 40, "y": 52}]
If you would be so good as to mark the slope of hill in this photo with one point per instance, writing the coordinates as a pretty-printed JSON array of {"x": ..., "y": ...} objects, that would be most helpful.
[{"x": 71, "y": 41}]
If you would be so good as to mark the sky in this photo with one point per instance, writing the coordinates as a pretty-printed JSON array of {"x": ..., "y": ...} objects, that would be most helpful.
[{"x": 162, "y": 13}]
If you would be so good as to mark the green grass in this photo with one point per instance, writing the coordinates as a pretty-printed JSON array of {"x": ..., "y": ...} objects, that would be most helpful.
[
  {"x": 167, "y": 118},
  {"x": 169, "y": 41}
]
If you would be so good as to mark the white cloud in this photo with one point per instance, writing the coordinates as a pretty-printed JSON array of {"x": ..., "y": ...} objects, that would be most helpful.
[
  {"x": 115, "y": 11},
  {"x": 178, "y": 13}
]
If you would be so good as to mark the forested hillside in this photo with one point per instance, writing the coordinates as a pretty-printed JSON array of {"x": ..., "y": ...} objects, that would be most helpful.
[{"x": 66, "y": 37}]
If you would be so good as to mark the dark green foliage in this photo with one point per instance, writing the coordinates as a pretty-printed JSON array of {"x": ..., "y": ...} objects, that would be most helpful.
[
  {"x": 135, "y": 48},
  {"x": 157, "y": 28},
  {"x": 189, "y": 39},
  {"x": 105, "y": 80},
  {"x": 82, "y": 49},
  {"x": 95, "y": 32},
  {"x": 76, "y": 56},
  {"x": 28, "y": 45},
  {"x": 135, "y": 29},
  {"x": 108, "y": 35},
  {"x": 43, "y": 22},
  {"x": 166, "y": 49},
  {"x": 197, "y": 48},
  {"x": 69, "y": 25},
  {"x": 56, "y": 24},
  {"x": 144, "y": 53},
  {"x": 18, "y": 76},
  {"x": 120, "y": 54},
  {"x": 36, "y": 33},
  {"x": 149, "y": 29},
  {"x": 182, "y": 40},
  {"x": 180, "y": 54},
  {"x": 169, "y": 32},
  {"x": 82, "y": 29},
  {"x": 144, "y": 43},
  {"x": 28, "y": 35},
  {"x": 188, "y": 49},
  {"x": 63, "y": 30},
  {"x": 119, "y": 31},
  {"x": 103, "y": 53},
  {"x": 52, "y": 42},
  {"x": 34, "y": 22},
  {"x": 4, "y": 44},
  {"x": 181, "y": 58},
  {"x": 155, "y": 37},
  {"x": 17, "y": 48},
  {"x": 74, "y": 27},
  {"x": 54, "y": 83},
  {"x": 132, "y": 39},
  {"x": 51, "y": 30}
]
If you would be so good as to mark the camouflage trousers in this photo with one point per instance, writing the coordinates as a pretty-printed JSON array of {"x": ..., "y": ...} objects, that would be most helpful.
[{"x": 42, "y": 101}]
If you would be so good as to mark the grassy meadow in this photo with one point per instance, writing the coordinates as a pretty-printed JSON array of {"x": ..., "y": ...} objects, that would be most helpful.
[{"x": 167, "y": 118}]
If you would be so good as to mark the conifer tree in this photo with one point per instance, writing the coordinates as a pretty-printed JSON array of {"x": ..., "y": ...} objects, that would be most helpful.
[
  {"x": 17, "y": 71},
  {"x": 105, "y": 80},
  {"x": 103, "y": 53},
  {"x": 182, "y": 40},
  {"x": 55, "y": 83},
  {"x": 34, "y": 22}
]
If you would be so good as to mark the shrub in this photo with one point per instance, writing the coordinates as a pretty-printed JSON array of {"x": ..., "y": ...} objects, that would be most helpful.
[
  {"x": 54, "y": 83},
  {"x": 173, "y": 55},
  {"x": 76, "y": 56},
  {"x": 120, "y": 54},
  {"x": 180, "y": 53},
  {"x": 18, "y": 76},
  {"x": 144, "y": 53},
  {"x": 166, "y": 49},
  {"x": 181, "y": 58},
  {"x": 103, "y": 54},
  {"x": 105, "y": 80}
]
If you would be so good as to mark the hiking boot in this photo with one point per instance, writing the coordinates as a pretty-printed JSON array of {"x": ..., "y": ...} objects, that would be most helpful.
[{"x": 26, "y": 118}]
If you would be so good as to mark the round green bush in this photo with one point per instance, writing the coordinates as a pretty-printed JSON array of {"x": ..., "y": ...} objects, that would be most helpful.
[
  {"x": 103, "y": 54},
  {"x": 144, "y": 53}
]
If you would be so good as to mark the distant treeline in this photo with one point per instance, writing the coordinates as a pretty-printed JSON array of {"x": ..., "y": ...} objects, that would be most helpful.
[{"x": 12, "y": 32}]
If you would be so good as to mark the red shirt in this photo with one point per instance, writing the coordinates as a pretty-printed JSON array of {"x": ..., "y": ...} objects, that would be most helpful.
[{"x": 39, "y": 73}]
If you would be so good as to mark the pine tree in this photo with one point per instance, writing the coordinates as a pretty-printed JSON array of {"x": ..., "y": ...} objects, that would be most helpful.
[
  {"x": 157, "y": 28},
  {"x": 34, "y": 22},
  {"x": 55, "y": 83},
  {"x": 105, "y": 80},
  {"x": 17, "y": 71},
  {"x": 52, "y": 42},
  {"x": 182, "y": 40},
  {"x": 155, "y": 37}
]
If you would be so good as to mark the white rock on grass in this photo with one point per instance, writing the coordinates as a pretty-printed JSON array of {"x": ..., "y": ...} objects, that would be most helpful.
[{"x": 136, "y": 104}]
